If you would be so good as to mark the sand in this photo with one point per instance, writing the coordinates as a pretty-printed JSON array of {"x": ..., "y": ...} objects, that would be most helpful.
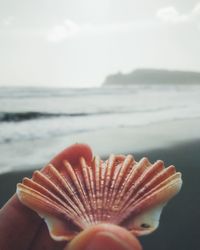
[{"x": 179, "y": 226}]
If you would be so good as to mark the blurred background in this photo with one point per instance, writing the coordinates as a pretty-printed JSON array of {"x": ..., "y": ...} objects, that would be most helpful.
[
  {"x": 74, "y": 67},
  {"x": 122, "y": 76}
]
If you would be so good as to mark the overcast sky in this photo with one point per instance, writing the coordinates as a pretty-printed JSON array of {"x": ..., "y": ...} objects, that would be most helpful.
[{"x": 76, "y": 43}]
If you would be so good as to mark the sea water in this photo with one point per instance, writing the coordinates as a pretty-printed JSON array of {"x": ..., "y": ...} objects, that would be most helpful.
[{"x": 42, "y": 115}]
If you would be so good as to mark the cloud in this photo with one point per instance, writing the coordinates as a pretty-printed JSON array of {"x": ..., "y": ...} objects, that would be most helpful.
[
  {"x": 71, "y": 29},
  {"x": 61, "y": 32},
  {"x": 171, "y": 15}
]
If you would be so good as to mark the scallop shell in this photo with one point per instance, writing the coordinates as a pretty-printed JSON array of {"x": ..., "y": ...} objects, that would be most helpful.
[{"x": 119, "y": 190}]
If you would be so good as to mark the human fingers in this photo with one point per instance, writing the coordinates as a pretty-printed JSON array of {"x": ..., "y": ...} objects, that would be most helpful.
[
  {"x": 20, "y": 223},
  {"x": 104, "y": 236},
  {"x": 42, "y": 240},
  {"x": 73, "y": 154}
]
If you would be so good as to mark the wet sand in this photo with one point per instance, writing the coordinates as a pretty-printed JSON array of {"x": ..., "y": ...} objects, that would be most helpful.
[{"x": 179, "y": 226}]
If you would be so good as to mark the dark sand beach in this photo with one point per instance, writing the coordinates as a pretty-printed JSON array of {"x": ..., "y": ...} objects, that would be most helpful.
[{"x": 179, "y": 225}]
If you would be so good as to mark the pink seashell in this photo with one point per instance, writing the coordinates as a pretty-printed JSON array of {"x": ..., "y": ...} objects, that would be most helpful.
[{"x": 77, "y": 194}]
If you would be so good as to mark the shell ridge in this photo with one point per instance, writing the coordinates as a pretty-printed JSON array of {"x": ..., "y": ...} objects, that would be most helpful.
[
  {"x": 102, "y": 177},
  {"x": 127, "y": 182},
  {"x": 101, "y": 181},
  {"x": 43, "y": 180},
  {"x": 164, "y": 186},
  {"x": 96, "y": 173},
  {"x": 165, "y": 182},
  {"x": 45, "y": 206},
  {"x": 149, "y": 200},
  {"x": 56, "y": 188},
  {"x": 62, "y": 185},
  {"x": 108, "y": 174},
  {"x": 38, "y": 199},
  {"x": 80, "y": 189},
  {"x": 71, "y": 197},
  {"x": 35, "y": 186},
  {"x": 142, "y": 180},
  {"x": 74, "y": 186},
  {"x": 160, "y": 177},
  {"x": 87, "y": 182},
  {"x": 141, "y": 167},
  {"x": 115, "y": 171},
  {"x": 92, "y": 181},
  {"x": 121, "y": 172},
  {"x": 136, "y": 171},
  {"x": 84, "y": 194}
]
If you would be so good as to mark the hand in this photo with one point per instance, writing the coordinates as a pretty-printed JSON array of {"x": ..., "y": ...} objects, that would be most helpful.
[{"x": 23, "y": 229}]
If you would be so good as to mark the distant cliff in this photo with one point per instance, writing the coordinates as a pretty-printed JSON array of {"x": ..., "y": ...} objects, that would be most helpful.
[{"x": 153, "y": 76}]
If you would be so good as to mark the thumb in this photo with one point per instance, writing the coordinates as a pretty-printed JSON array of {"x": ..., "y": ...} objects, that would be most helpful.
[{"x": 104, "y": 236}]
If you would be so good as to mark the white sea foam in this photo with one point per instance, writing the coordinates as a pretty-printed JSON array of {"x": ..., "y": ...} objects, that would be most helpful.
[{"x": 63, "y": 113}]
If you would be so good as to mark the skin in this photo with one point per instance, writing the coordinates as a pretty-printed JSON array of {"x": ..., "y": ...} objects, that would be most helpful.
[{"x": 23, "y": 229}]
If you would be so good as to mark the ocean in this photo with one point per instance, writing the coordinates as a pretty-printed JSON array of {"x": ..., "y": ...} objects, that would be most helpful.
[{"x": 34, "y": 120}]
